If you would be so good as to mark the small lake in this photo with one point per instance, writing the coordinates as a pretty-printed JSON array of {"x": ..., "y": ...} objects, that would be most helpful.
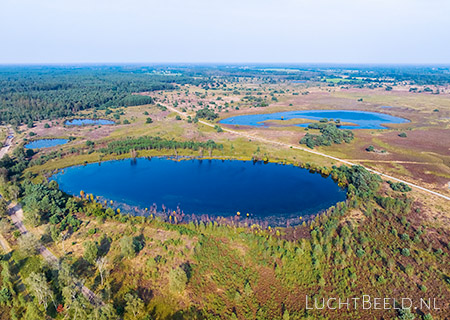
[
  {"x": 88, "y": 122},
  {"x": 45, "y": 143},
  {"x": 362, "y": 119},
  {"x": 212, "y": 187}
]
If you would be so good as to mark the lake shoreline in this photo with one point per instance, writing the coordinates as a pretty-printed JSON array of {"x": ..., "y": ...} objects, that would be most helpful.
[{"x": 310, "y": 205}]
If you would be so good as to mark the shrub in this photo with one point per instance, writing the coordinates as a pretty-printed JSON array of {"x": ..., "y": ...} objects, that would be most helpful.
[
  {"x": 90, "y": 251},
  {"x": 127, "y": 247},
  {"x": 405, "y": 314},
  {"x": 406, "y": 252},
  {"x": 28, "y": 243},
  {"x": 5, "y": 296},
  {"x": 207, "y": 114},
  {"x": 177, "y": 279},
  {"x": 399, "y": 186},
  {"x": 360, "y": 252}
]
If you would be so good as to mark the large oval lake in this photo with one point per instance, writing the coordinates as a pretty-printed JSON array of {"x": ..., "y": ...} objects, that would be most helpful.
[
  {"x": 362, "y": 119},
  {"x": 213, "y": 187}
]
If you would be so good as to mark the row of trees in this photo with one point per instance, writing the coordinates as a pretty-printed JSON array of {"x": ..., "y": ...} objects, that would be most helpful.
[{"x": 149, "y": 143}]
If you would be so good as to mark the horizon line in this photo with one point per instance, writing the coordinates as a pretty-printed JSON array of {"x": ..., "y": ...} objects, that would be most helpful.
[{"x": 440, "y": 64}]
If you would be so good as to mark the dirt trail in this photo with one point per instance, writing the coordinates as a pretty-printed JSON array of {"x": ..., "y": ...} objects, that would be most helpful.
[
  {"x": 7, "y": 143},
  {"x": 16, "y": 215},
  {"x": 349, "y": 163},
  {"x": 391, "y": 161},
  {"x": 4, "y": 244}
]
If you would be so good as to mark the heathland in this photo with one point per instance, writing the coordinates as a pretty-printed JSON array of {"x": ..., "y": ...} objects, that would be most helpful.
[{"x": 85, "y": 256}]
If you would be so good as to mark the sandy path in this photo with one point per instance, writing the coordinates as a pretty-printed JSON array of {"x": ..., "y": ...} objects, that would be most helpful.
[
  {"x": 16, "y": 215},
  {"x": 7, "y": 143},
  {"x": 4, "y": 244}
]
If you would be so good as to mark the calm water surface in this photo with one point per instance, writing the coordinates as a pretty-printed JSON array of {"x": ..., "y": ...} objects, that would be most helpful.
[
  {"x": 84, "y": 122},
  {"x": 212, "y": 187},
  {"x": 45, "y": 143},
  {"x": 362, "y": 119}
]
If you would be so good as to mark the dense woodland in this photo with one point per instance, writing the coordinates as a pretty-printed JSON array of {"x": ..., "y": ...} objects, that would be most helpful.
[{"x": 30, "y": 94}]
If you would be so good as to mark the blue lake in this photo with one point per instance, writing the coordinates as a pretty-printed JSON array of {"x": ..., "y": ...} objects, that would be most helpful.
[
  {"x": 85, "y": 122},
  {"x": 362, "y": 119},
  {"x": 213, "y": 187},
  {"x": 45, "y": 143}
]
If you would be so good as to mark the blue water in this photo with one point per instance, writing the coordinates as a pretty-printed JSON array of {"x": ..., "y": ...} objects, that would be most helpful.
[
  {"x": 45, "y": 143},
  {"x": 84, "y": 122},
  {"x": 362, "y": 119},
  {"x": 213, "y": 187}
]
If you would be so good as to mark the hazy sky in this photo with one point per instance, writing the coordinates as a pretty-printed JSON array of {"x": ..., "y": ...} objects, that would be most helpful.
[{"x": 337, "y": 31}]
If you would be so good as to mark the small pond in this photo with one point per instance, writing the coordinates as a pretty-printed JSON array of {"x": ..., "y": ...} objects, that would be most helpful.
[
  {"x": 361, "y": 119},
  {"x": 212, "y": 187},
  {"x": 45, "y": 143},
  {"x": 88, "y": 122}
]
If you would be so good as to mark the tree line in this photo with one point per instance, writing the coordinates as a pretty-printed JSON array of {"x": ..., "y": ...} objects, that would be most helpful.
[{"x": 150, "y": 143}]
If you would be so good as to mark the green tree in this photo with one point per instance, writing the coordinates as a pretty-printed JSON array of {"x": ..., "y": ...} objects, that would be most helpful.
[
  {"x": 127, "y": 247},
  {"x": 38, "y": 285},
  {"x": 405, "y": 314},
  {"x": 90, "y": 251},
  {"x": 5, "y": 296},
  {"x": 28, "y": 243},
  {"x": 33, "y": 312},
  {"x": 134, "y": 307},
  {"x": 177, "y": 279},
  {"x": 3, "y": 208}
]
